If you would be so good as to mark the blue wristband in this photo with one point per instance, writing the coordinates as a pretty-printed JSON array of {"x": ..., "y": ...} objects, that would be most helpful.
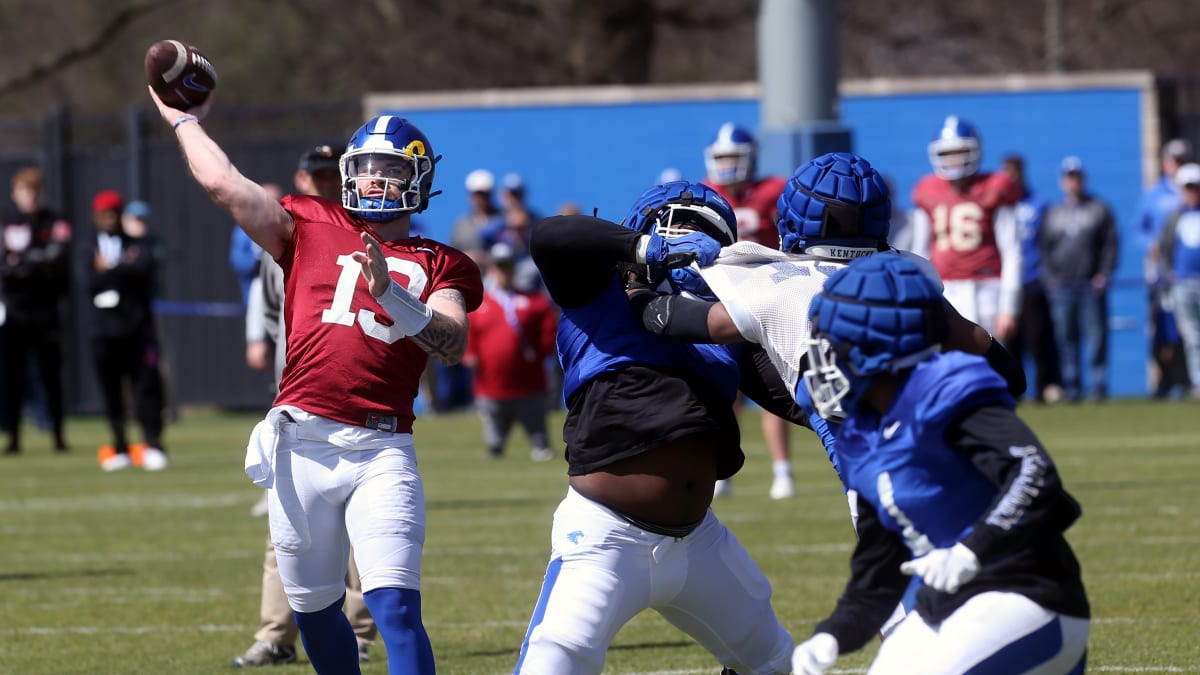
[{"x": 185, "y": 118}]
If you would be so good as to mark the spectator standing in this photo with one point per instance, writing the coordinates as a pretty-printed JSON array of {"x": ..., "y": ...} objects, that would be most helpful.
[
  {"x": 1179, "y": 252},
  {"x": 1159, "y": 201},
  {"x": 34, "y": 273},
  {"x": 467, "y": 232},
  {"x": 514, "y": 194},
  {"x": 316, "y": 174},
  {"x": 1035, "y": 332},
  {"x": 1078, "y": 245},
  {"x": 731, "y": 168},
  {"x": 511, "y": 336},
  {"x": 124, "y": 334}
]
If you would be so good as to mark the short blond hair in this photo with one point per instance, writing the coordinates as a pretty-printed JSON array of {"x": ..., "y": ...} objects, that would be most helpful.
[{"x": 30, "y": 177}]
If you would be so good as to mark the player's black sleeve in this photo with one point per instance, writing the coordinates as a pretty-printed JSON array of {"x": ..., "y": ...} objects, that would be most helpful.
[
  {"x": 1031, "y": 499},
  {"x": 1008, "y": 366},
  {"x": 762, "y": 384},
  {"x": 876, "y": 584},
  {"x": 577, "y": 255},
  {"x": 673, "y": 316}
]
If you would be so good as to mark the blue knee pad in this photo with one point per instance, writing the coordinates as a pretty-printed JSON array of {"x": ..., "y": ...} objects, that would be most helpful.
[
  {"x": 397, "y": 613},
  {"x": 329, "y": 640}
]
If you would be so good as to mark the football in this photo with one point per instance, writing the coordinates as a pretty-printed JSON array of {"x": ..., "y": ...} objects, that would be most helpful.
[{"x": 179, "y": 73}]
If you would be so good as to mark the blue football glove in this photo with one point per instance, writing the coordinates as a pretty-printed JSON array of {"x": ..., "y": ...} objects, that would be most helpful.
[{"x": 658, "y": 251}]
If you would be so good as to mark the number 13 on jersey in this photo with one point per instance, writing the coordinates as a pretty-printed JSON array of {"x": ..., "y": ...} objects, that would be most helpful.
[{"x": 342, "y": 313}]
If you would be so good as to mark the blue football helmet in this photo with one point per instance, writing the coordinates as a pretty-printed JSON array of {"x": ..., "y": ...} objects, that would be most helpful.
[
  {"x": 678, "y": 208},
  {"x": 835, "y": 206},
  {"x": 955, "y": 151},
  {"x": 732, "y": 155},
  {"x": 396, "y": 157},
  {"x": 882, "y": 313}
]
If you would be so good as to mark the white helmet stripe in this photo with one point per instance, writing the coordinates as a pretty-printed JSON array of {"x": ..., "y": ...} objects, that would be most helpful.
[{"x": 381, "y": 124}]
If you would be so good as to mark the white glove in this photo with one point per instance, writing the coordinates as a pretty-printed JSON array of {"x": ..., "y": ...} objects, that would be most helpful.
[
  {"x": 944, "y": 569},
  {"x": 815, "y": 655}
]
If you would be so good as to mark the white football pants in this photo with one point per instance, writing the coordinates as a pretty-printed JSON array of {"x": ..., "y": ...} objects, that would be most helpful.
[
  {"x": 331, "y": 485},
  {"x": 604, "y": 570},
  {"x": 992, "y": 633},
  {"x": 977, "y": 300}
]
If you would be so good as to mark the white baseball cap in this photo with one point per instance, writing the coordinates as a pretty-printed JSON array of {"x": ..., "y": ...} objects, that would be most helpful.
[
  {"x": 480, "y": 180},
  {"x": 1188, "y": 174}
]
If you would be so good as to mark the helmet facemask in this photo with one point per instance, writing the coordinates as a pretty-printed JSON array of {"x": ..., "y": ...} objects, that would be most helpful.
[
  {"x": 677, "y": 220},
  {"x": 826, "y": 383},
  {"x": 726, "y": 167},
  {"x": 954, "y": 158},
  {"x": 381, "y": 185}
]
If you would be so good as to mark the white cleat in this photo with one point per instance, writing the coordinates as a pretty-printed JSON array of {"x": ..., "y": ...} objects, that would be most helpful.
[
  {"x": 783, "y": 488},
  {"x": 154, "y": 459},
  {"x": 723, "y": 488},
  {"x": 116, "y": 462}
]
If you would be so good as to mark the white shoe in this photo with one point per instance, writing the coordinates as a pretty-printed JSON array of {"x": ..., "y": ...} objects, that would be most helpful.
[
  {"x": 723, "y": 488},
  {"x": 116, "y": 462},
  {"x": 541, "y": 454},
  {"x": 154, "y": 459},
  {"x": 783, "y": 488}
]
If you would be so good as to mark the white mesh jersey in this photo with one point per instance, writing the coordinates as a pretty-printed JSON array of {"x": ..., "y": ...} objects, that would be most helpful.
[{"x": 767, "y": 294}]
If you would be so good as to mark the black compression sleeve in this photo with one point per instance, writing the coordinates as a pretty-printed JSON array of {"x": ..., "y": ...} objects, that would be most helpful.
[
  {"x": 1011, "y": 369},
  {"x": 876, "y": 584},
  {"x": 762, "y": 384},
  {"x": 577, "y": 255},
  {"x": 678, "y": 318}
]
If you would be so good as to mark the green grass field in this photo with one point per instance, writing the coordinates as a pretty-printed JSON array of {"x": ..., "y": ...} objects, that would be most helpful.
[{"x": 137, "y": 572}]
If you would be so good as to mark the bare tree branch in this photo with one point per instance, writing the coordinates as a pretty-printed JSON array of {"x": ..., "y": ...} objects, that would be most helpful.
[{"x": 102, "y": 37}]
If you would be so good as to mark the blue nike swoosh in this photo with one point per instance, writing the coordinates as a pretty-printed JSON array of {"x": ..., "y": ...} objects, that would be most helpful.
[{"x": 190, "y": 83}]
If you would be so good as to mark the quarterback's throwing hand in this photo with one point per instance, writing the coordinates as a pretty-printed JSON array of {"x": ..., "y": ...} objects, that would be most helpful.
[
  {"x": 374, "y": 266},
  {"x": 944, "y": 569},
  {"x": 815, "y": 655}
]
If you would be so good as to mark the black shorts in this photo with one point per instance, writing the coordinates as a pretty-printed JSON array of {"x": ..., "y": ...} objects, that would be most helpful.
[{"x": 635, "y": 409}]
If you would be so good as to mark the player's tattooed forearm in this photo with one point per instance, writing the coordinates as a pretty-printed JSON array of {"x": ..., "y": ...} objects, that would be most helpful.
[{"x": 445, "y": 337}]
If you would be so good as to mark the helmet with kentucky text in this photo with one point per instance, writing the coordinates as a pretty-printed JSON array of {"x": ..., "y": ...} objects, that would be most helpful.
[{"x": 835, "y": 206}]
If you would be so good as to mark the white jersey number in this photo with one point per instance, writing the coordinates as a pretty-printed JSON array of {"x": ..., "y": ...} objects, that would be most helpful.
[
  {"x": 958, "y": 227},
  {"x": 340, "y": 311}
]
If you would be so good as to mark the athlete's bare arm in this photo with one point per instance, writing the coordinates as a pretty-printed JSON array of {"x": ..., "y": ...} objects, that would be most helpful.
[
  {"x": 252, "y": 207},
  {"x": 445, "y": 337}
]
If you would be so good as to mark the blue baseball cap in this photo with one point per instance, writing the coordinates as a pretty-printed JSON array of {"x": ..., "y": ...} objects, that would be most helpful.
[
  {"x": 138, "y": 209},
  {"x": 1071, "y": 164}
]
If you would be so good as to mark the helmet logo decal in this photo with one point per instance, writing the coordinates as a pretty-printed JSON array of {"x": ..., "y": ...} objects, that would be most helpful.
[{"x": 416, "y": 147}]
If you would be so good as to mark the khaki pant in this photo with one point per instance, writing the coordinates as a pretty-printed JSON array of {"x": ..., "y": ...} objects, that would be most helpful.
[{"x": 278, "y": 622}]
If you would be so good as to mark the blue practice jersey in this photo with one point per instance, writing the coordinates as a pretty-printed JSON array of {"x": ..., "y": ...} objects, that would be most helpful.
[
  {"x": 921, "y": 487},
  {"x": 606, "y": 335}
]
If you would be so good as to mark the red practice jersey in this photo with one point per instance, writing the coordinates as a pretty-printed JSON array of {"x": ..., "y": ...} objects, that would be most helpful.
[
  {"x": 754, "y": 206},
  {"x": 511, "y": 337},
  {"x": 962, "y": 240},
  {"x": 344, "y": 361}
]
